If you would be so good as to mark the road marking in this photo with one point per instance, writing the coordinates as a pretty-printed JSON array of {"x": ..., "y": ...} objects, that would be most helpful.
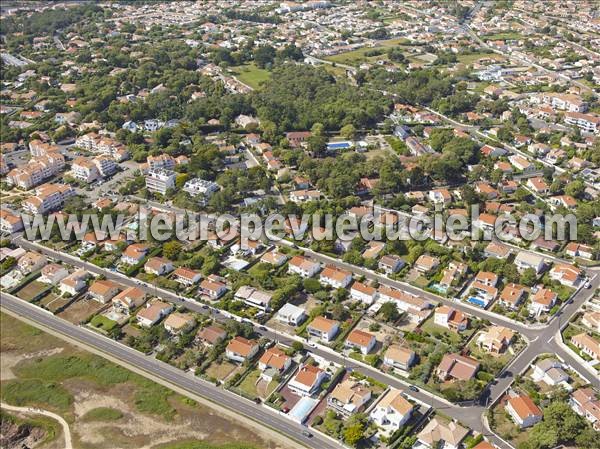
[{"x": 550, "y": 339}]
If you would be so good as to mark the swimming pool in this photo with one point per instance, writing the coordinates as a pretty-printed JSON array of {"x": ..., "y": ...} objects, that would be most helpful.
[
  {"x": 437, "y": 287},
  {"x": 338, "y": 145},
  {"x": 477, "y": 301},
  {"x": 302, "y": 409}
]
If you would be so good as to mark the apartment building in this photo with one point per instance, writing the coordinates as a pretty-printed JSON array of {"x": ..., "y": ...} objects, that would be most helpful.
[
  {"x": 48, "y": 197},
  {"x": 160, "y": 180}
]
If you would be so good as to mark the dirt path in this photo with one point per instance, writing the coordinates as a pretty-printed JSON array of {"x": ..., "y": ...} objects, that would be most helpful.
[{"x": 60, "y": 419}]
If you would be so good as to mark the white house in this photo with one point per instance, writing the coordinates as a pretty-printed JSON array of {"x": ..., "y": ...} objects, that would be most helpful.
[
  {"x": 307, "y": 380},
  {"x": 53, "y": 274},
  {"x": 291, "y": 314},
  {"x": 363, "y": 293},
  {"x": 523, "y": 411},
  {"x": 303, "y": 266},
  {"x": 525, "y": 260},
  {"x": 361, "y": 341},
  {"x": 399, "y": 357},
  {"x": 392, "y": 411},
  {"x": 335, "y": 277},
  {"x": 323, "y": 328},
  {"x": 254, "y": 297},
  {"x": 74, "y": 283},
  {"x": 240, "y": 349},
  {"x": 153, "y": 313}
]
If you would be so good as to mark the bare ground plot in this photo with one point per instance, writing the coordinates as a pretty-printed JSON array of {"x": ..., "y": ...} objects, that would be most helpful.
[
  {"x": 222, "y": 370},
  {"x": 386, "y": 333},
  {"x": 80, "y": 310},
  {"x": 31, "y": 290},
  {"x": 53, "y": 302}
]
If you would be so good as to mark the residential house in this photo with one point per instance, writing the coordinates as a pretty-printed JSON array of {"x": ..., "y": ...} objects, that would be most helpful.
[
  {"x": 574, "y": 249},
  {"x": 53, "y": 274},
  {"x": 440, "y": 434},
  {"x": 153, "y": 313},
  {"x": 585, "y": 403},
  {"x": 274, "y": 258},
  {"x": 103, "y": 290},
  {"x": 550, "y": 371},
  {"x": 211, "y": 335},
  {"x": 450, "y": 318},
  {"x": 360, "y": 340},
  {"x": 363, "y": 293},
  {"x": 400, "y": 357},
  {"x": 335, "y": 277},
  {"x": 241, "y": 349},
  {"x": 456, "y": 366},
  {"x": 349, "y": 397},
  {"x": 275, "y": 359},
  {"x": 9, "y": 222},
  {"x": 186, "y": 276},
  {"x": 307, "y": 380},
  {"x": 254, "y": 297},
  {"x": 591, "y": 320},
  {"x": 392, "y": 411},
  {"x": 587, "y": 344},
  {"x": 496, "y": 339},
  {"x": 323, "y": 328},
  {"x": 440, "y": 197},
  {"x": 523, "y": 411},
  {"x": 538, "y": 185},
  {"x": 497, "y": 250},
  {"x": 178, "y": 322},
  {"x": 426, "y": 263},
  {"x": 158, "y": 266},
  {"x": 212, "y": 288},
  {"x": 129, "y": 299},
  {"x": 542, "y": 301},
  {"x": 74, "y": 283},
  {"x": 291, "y": 315},
  {"x": 390, "y": 264},
  {"x": 303, "y": 266},
  {"x": 512, "y": 295},
  {"x": 134, "y": 254},
  {"x": 568, "y": 275},
  {"x": 525, "y": 260}
]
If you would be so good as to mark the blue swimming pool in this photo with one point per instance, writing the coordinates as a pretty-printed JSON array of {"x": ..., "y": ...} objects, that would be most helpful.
[
  {"x": 302, "y": 409},
  {"x": 476, "y": 301},
  {"x": 339, "y": 145}
]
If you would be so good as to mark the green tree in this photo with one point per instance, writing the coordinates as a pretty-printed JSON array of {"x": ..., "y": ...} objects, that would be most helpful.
[
  {"x": 389, "y": 312},
  {"x": 171, "y": 250},
  {"x": 348, "y": 131}
]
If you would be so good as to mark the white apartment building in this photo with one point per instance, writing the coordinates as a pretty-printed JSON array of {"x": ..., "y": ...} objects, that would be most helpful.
[{"x": 160, "y": 180}]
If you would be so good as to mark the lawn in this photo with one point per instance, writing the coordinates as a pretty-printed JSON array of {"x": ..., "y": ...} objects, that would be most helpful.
[
  {"x": 36, "y": 392},
  {"x": 250, "y": 74},
  {"x": 31, "y": 290},
  {"x": 103, "y": 323},
  {"x": 435, "y": 331},
  {"x": 103, "y": 414},
  {"x": 248, "y": 385}
]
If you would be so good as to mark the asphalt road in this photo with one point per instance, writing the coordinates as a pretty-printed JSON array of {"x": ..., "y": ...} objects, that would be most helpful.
[{"x": 187, "y": 381}]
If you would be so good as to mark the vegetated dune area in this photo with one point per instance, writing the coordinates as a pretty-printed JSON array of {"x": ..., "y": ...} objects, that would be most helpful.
[{"x": 105, "y": 405}]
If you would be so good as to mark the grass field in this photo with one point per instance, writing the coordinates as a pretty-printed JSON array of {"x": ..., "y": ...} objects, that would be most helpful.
[
  {"x": 436, "y": 330},
  {"x": 250, "y": 75},
  {"x": 471, "y": 58},
  {"x": 502, "y": 36},
  {"x": 356, "y": 57}
]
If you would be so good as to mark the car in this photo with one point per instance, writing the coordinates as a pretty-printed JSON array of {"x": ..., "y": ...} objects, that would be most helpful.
[
  {"x": 285, "y": 409},
  {"x": 262, "y": 328},
  {"x": 413, "y": 388},
  {"x": 306, "y": 433},
  {"x": 257, "y": 400},
  {"x": 588, "y": 284}
]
